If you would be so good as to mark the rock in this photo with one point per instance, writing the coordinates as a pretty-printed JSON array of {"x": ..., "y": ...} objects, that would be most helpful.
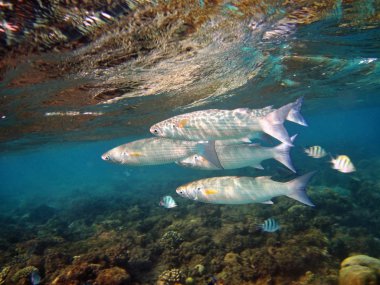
[
  {"x": 359, "y": 270},
  {"x": 23, "y": 275},
  {"x": 3, "y": 274},
  {"x": 77, "y": 274},
  {"x": 113, "y": 276}
]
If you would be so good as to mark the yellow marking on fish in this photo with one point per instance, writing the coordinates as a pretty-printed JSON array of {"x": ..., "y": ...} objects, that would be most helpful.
[
  {"x": 182, "y": 123},
  {"x": 210, "y": 191},
  {"x": 136, "y": 154}
]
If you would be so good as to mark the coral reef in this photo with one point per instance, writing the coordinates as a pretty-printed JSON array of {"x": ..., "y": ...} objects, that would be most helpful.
[
  {"x": 22, "y": 275},
  {"x": 170, "y": 277},
  {"x": 3, "y": 274},
  {"x": 127, "y": 241},
  {"x": 171, "y": 239},
  {"x": 113, "y": 276},
  {"x": 359, "y": 270}
]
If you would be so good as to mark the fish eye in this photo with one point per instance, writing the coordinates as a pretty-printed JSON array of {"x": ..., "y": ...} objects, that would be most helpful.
[
  {"x": 155, "y": 131},
  {"x": 107, "y": 157},
  {"x": 199, "y": 189},
  {"x": 173, "y": 125},
  {"x": 181, "y": 192}
]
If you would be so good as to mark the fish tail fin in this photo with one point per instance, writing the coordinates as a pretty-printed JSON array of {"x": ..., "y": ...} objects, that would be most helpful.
[
  {"x": 281, "y": 154},
  {"x": 297, "y": 188},
  {"x": 294, "y": 114},
  {"x": 208, "y": 151},
  {"x": 272, "y": 124}
]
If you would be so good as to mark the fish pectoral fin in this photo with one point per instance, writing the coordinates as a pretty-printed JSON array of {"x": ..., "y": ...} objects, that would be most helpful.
[
  {"x": 269, "y": 202},
  {"x": 210, "y": 191}
]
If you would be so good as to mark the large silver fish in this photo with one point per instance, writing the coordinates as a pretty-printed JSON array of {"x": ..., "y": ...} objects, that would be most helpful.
[
  {"x": 215, "y": 124},
  {"x": 233, "y": 156},
  {"x": 245, "y": 190},
  {"x": 153, "y": 151}
]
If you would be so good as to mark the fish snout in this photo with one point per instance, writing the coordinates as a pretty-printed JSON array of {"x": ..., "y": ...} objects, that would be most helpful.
[
  {"x": 180, "y": 190},
  {"x": 106, "y": 156},
  {"x": 155, "y": 130}
]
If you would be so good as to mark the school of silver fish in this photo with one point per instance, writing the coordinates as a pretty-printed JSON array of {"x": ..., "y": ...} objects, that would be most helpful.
[{"x": 216, "y": 139}]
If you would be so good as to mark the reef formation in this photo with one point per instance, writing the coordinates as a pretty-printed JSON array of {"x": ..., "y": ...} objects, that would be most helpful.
[{"x": 127, "y": 240}]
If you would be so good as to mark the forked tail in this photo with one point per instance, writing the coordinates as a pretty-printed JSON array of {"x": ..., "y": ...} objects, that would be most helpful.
[
  {"x": 294, "y": 114},
  {"x": 272, "y": 124},
  {"x": 297, "y": 189},
  {"x": 281, "y": 154}
]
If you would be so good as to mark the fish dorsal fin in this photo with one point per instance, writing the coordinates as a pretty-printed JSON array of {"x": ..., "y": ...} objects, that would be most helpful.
[
  {"x": 208, "y": 151},
  {"x": 243, "y": 110},
  {"x": 263, "y": 179},
  {"x": 258, "y": 166},
  {"x": 267, "y": 108},
  {"x": 246, "y": 140},
  {"x": 269, "y": 202}
]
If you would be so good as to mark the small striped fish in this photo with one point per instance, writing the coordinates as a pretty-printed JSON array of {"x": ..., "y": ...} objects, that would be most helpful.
[
  {"x": 315, "y": 151},
  {"x": 270, "y": 225},
  {"x": 343, "y": 164},
  {"x": 168, "y": 202}
]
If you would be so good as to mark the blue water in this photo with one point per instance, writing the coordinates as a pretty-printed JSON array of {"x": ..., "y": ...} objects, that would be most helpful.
[
  {"x": 59, "y": 198},
  {"x": 51, "y": 173}
]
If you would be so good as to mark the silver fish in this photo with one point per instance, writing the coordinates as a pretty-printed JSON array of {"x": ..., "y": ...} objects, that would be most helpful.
[
  {"x": 168, "y": 202},
  {"x": 269, "y": 225},
  {"x": 315, "y": 151},
  {"x": 153, "y": 151},
  {"x": 232, "y": 156},
  {"x": 245, "y": 190},
  {"x": 215, "y": 124},
  {"x": 343, "y": 164}
]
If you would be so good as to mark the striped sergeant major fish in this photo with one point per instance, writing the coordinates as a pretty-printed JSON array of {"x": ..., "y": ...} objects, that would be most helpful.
[
  {"x": 343, "y": 164},
  {"x": 269, "y": 225},
  {"x": 153, "y": 151},
  {"x": 215, "y": 124},
  {"x": 168, "y": 202},
  {"x": 232, "y": 156},
  {"x": 315, "y": 151},
  {"x": 245, "y": 190}
]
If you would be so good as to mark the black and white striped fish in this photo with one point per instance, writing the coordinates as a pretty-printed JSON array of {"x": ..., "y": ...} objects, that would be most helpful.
[
  {"x": 315, "y": 151},
  {"x": 343, "y": 164},
  {"x": 270, "y": 225}
]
